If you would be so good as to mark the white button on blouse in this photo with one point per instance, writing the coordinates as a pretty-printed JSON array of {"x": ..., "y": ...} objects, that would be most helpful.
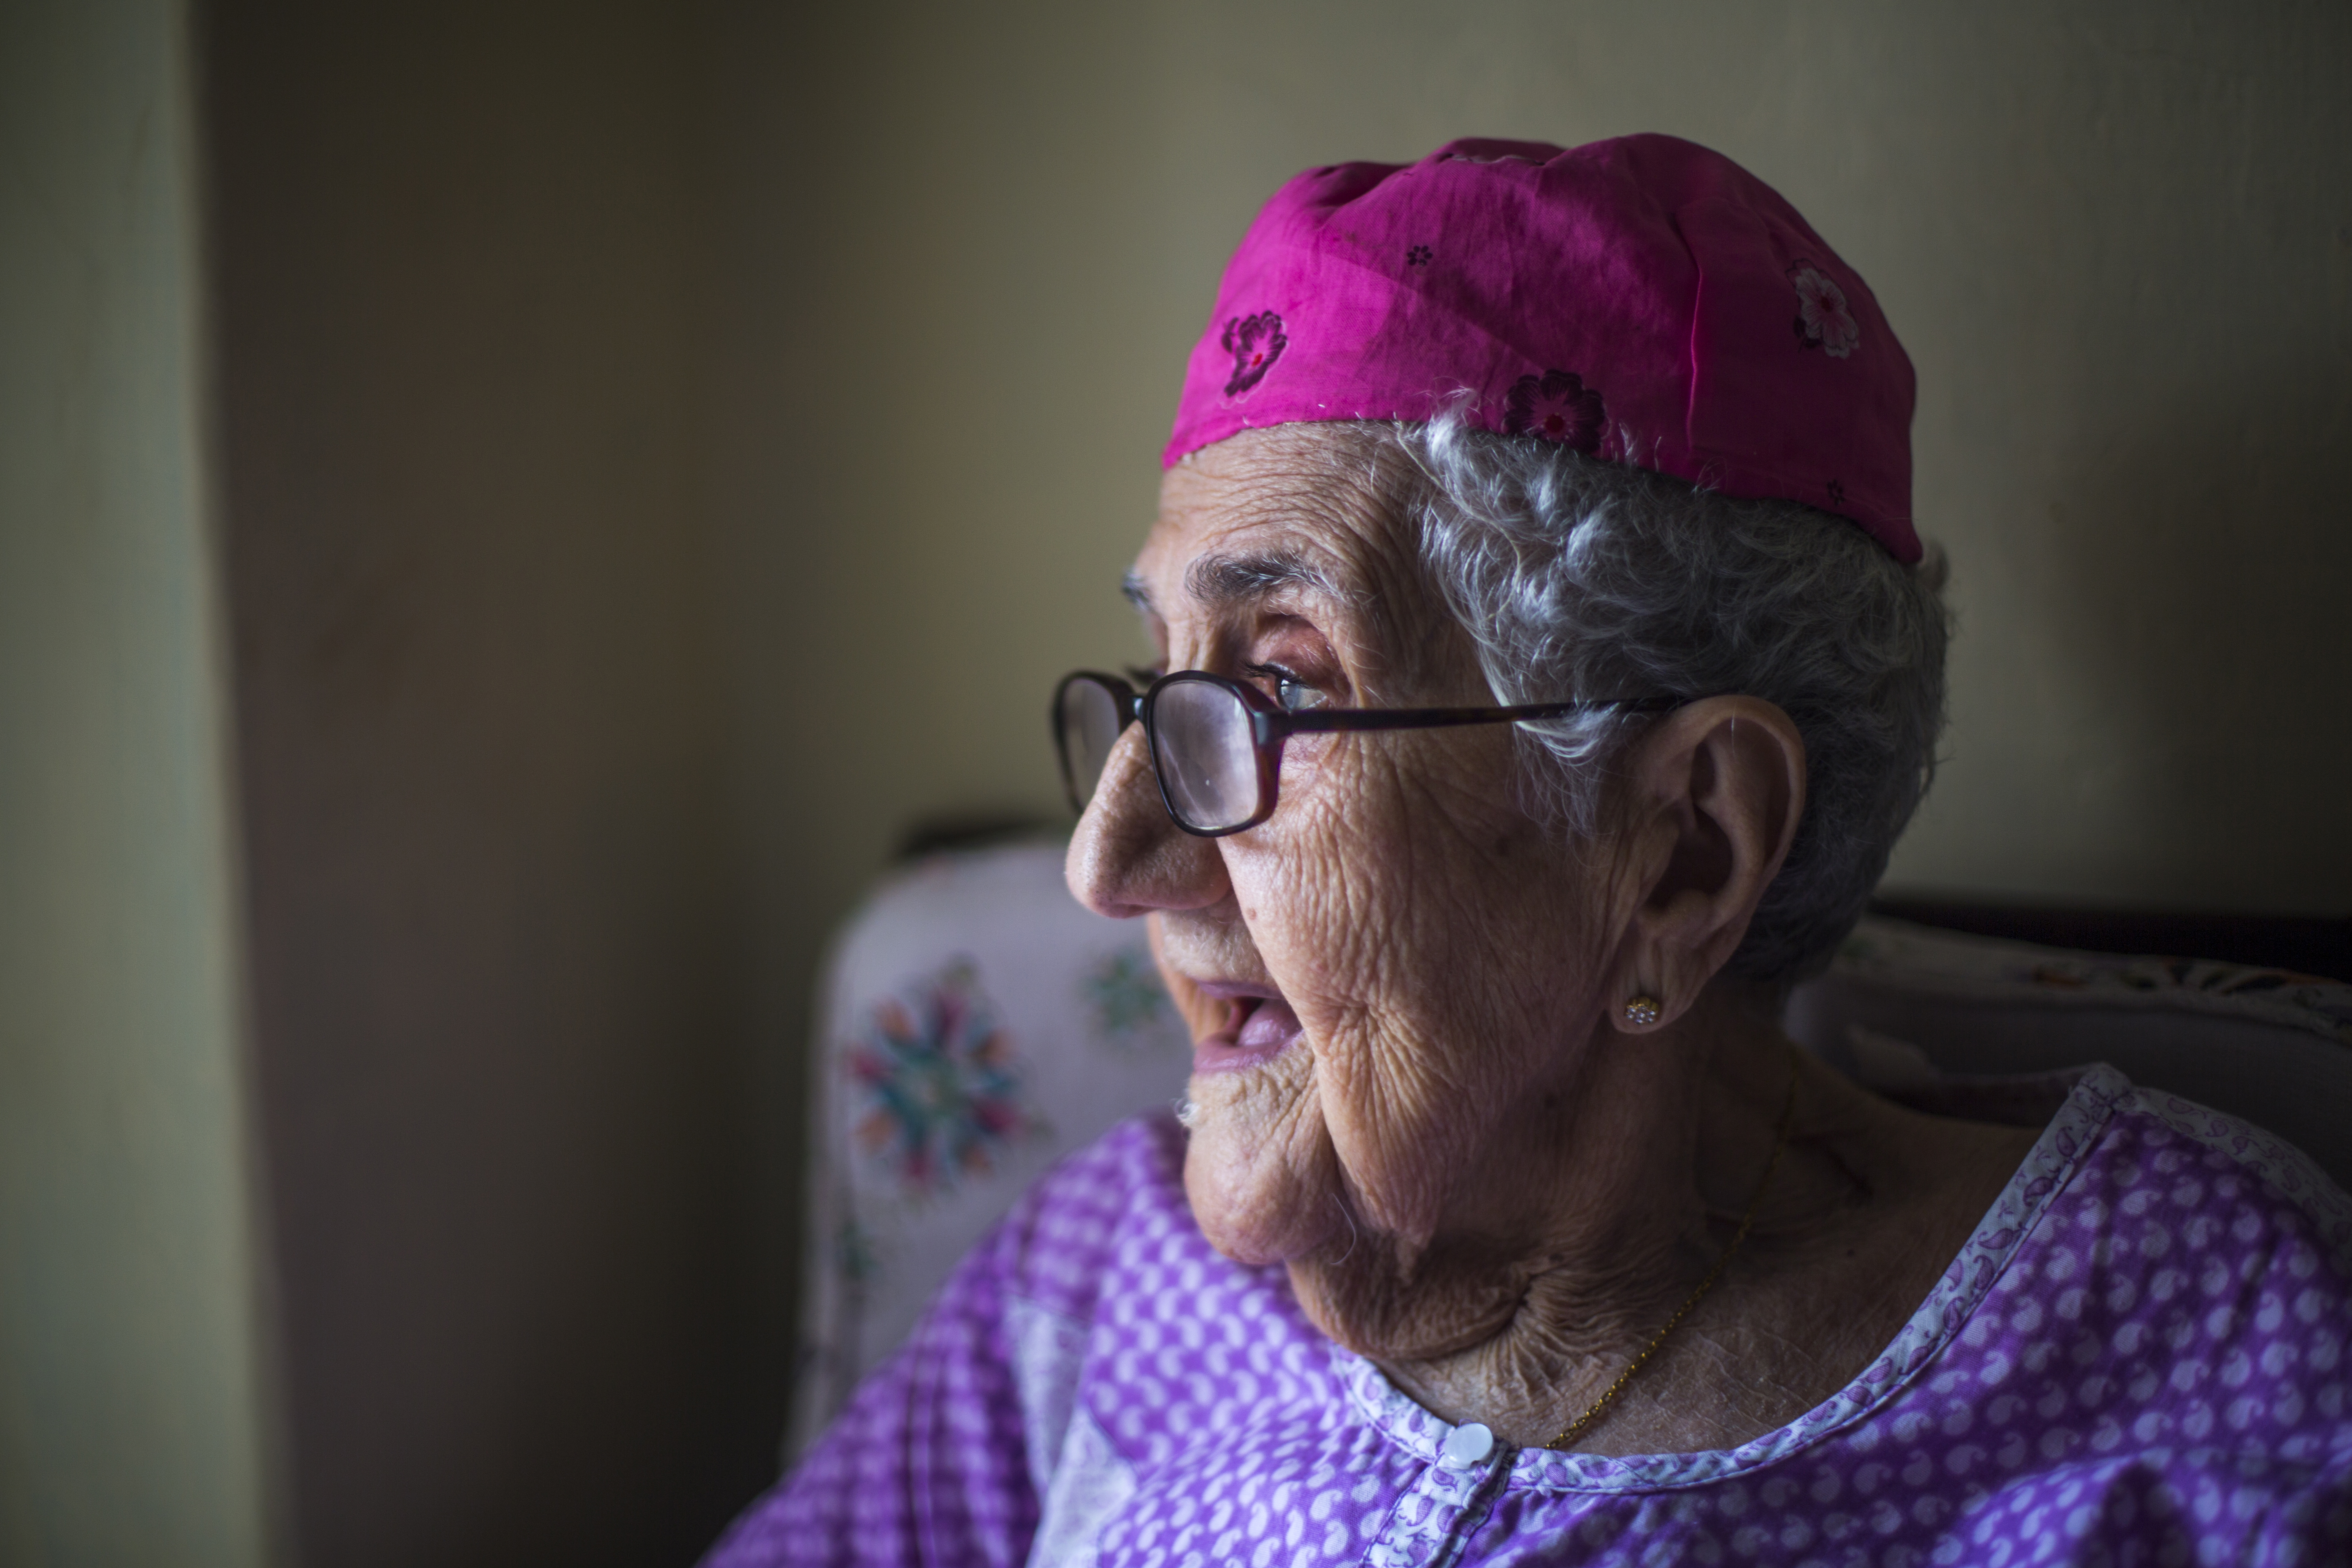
[{"x": 1468, "y": 1444}]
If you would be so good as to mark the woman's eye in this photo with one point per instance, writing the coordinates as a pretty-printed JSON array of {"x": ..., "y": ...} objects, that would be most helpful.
[{"x": 1290, "y": 693}]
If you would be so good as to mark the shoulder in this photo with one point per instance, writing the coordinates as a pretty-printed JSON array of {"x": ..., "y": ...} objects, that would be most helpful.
[
  {"x": 1056, "y": 1247},
  {"x": 2187, "y": 1285},
  {"x": 2184, "y": 1177}
]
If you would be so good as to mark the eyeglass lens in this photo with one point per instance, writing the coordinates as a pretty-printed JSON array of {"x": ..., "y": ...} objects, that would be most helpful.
[
  {"x": 1205, "y": 754},
  {"x": 1090, "y": 720}
]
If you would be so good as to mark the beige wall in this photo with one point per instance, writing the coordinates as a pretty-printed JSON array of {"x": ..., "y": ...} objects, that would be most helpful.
[
  {"x": 2116, "y": 239},
  {"x": 460, "y": 258},
  {"x": 133, "y": 1425}
]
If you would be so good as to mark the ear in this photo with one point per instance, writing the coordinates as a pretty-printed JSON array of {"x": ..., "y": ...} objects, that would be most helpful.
[{"x": 1713, "y": 798}]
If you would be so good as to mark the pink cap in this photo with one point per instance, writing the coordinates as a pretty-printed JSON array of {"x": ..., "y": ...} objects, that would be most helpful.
[{"x": 1643, "y": 299}]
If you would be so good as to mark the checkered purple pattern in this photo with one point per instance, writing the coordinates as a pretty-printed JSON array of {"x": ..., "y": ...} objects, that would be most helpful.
[{"x": 2139, "y": 1357}]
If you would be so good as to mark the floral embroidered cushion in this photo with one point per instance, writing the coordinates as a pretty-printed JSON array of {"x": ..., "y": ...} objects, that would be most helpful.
[
  {"x": 976, "y": 1026},
  {"x": 1909, "y": 1009}
]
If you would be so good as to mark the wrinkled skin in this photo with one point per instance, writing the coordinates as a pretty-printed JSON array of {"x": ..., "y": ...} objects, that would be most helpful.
[{"x": 1474, "y": 1170}]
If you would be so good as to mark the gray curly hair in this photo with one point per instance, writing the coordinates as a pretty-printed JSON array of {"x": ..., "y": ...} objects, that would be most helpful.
[{"x": 1579, "y": 578}]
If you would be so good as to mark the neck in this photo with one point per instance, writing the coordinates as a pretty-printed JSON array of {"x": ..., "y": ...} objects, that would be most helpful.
[{"x": 1590, "y": 1212}]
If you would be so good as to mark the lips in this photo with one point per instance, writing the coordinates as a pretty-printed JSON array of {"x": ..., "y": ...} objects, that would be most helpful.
[{"x": 1257, "y": 1029}]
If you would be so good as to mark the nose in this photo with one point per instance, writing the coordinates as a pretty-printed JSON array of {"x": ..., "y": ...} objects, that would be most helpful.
[{"x": 1129, "y": 857}]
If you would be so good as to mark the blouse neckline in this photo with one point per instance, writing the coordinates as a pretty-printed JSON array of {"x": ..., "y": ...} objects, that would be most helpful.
[{"x": 1956, "y": 1296}]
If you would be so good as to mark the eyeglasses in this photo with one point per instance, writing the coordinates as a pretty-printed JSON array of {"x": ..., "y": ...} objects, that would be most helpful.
[{"x": 1216, "y": 745}]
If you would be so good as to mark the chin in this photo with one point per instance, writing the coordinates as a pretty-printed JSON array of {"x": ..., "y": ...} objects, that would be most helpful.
[
  {"x": 1259, "y": 1170},
  {"x": 1255, "y": 1225}
]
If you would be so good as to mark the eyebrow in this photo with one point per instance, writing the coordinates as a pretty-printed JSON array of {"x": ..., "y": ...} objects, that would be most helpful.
[{"x": 1224, "y": 581}]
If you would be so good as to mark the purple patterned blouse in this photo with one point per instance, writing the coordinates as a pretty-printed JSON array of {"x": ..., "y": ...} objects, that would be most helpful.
[{"x": 2139, "y": 1357}]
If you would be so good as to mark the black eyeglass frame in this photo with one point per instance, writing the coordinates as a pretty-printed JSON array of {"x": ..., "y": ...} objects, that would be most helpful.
[{"x": 1271, "y": 726}]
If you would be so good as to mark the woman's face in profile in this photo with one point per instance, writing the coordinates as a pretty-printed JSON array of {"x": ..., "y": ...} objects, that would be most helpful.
[{"x": 1383, "y": 974}]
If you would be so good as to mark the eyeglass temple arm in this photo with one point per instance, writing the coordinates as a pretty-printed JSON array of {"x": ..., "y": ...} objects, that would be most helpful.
[{"x": 1321, "y": 720}]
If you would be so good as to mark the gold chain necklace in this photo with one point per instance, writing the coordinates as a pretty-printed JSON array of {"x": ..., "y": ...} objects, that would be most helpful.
[{"x": 1568, "y": 1434}]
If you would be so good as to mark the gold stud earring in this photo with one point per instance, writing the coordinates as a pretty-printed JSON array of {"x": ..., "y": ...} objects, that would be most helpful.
[{"x": 1642, "y": 1011}]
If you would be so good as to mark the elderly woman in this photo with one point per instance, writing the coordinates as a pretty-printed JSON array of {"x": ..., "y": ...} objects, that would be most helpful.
[{"x": 1547, "y": 666}]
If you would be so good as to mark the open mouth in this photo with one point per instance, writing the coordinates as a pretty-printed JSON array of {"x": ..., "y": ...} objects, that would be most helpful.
[{"x": 1257, "y": 1029}]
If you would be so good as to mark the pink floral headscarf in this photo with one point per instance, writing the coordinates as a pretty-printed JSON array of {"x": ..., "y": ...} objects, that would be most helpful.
[{"x": 1643, "y": 300}]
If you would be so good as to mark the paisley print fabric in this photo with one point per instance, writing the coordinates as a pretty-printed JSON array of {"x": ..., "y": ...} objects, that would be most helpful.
[{"x": 2139, "y": 1357}]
